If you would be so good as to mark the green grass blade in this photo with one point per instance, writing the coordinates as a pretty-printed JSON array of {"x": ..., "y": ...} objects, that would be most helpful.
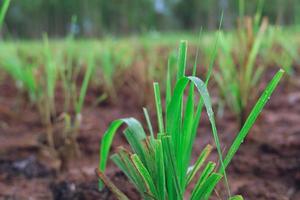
[
  {"x": 197, "y": 53},
  {"x": 29, "y": 80},
  {"x": 171, "y": 163},
  {"x": 136, "y": 144},
  {"x": 253, "y": 116},
  {"x": 174, "y": 112},
  {"x": 84, "y": 86},
  {"x": 145, "y": 174},
  {"x": 160, "y": 168},
  {"x": 200, "y": 161},
  {"x": 207, "y": 102},
  {"x": 186, "y": 134},
  {"x": 116, "y": 158},
  {"x": 142, "y": 148},
  {"x": 208, "y": 186},
  {"x": 253, "y": 53},
  {"x": 182, "y": 59},
  {"x": 3, "y": 11},
  {"x": 171, "y": 63},
  {"x": 174, "y": 119},
  {"x": 209, "y": 168},
  {"x": 197, "y": 115},
  {"x": 158, "y": 107},
  {"x": 146, "y": 114},
  {"x": 106, "y": 142},
  {"x": 133, "y": 125},
  {"x": 122, "y": 160},
  {"x": 202, "y": 89}
]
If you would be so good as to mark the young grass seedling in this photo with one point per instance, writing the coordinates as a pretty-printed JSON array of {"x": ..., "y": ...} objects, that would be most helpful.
[
  {"x": 238, "y": 76},
  {"x": 40, "y": 84},
  {"x": 159, "y": 165}
]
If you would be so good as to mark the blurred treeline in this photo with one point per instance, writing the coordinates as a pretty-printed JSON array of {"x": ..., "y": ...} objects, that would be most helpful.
[{"x": 31, "y": 18}]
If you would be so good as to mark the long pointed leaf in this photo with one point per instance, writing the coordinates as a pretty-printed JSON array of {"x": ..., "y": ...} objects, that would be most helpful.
[
  {"x": 133, "y": 125},
  {"x": 201, "y": 159},
  {"x": 3, "y": 11},
  {"x": 253, "y": 116}
]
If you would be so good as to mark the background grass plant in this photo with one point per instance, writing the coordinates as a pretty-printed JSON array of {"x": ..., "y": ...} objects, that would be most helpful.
[
  {"x": 238, "y": 74},
  {"x": 40, "y": 81}
]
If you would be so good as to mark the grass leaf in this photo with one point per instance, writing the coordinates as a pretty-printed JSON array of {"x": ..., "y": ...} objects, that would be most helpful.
[
  {"x": 118, "y": 194},
  {"x": 253, "y": 116},
  {"x": 3, "y": 11},
  {"x": 209, "y": 168},
  {"x": 200, "y": 161},
  {"x": 84, "y": 86},
  {"x": 133, "y": 125},
  {"x": 158, "y": 107},
  {"x": 144, "y": 173}
]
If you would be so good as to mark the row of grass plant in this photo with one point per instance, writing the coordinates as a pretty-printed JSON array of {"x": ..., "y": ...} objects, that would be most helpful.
[{"x": 40, "y": 82}]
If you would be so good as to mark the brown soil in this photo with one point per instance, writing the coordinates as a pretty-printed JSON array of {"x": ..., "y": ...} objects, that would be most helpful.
[{"x": 267, "y": 166}]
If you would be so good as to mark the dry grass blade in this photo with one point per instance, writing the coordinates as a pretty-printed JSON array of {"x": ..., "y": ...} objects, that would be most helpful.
[{"x": 118, "y": 193}]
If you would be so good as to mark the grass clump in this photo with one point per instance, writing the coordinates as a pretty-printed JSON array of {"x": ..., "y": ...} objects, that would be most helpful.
[
  {"x": 238, "y": 74},
  {"x": 63, "y": 127},
  {"x": 159, "y": 165}
]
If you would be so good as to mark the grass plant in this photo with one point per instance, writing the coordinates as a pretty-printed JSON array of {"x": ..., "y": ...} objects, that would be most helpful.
[
  {"x": 238, "y": 74},
  {"x": 159, "y": 165},
  {"x": 40, "y": 82},
  {"x": 64, "y": 145}
]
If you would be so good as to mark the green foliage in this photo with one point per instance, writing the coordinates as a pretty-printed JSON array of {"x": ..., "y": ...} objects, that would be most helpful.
[{"x": 158, "y": 166}]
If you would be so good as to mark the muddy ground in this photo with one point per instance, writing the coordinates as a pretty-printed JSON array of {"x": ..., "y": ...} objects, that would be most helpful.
[{"x": 267, "y": 166}]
